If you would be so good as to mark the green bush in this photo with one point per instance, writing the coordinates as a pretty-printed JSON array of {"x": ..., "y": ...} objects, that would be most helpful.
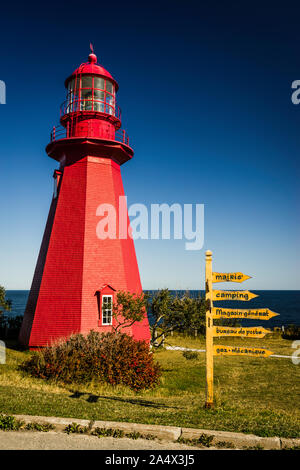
[
  {"x": 39, "y": 427},
  {"x": 134, "y": 435},
  {"x": 291, "y": 332},
  {"x": 203, "y": 441},
  {"x": 190, "y": 355},
  {"x": 9, "y": 423},
  {"x": 119, "y": 433},
  {"x": 75, "y": 428},
  {"x": 108, "y": 432},
  {"x": 114, "y": 358},
  {"x": 10, "y": 326}
]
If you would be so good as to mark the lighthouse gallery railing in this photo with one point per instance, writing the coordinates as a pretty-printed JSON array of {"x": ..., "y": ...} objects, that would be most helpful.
[{"x": 59, "y": 132}]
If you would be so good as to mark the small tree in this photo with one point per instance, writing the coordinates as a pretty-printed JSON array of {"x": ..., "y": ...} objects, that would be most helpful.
[
  {"x": 4, "y": 303},
  {"x": 161, "y": 309},
  {"x": 193, "y": 312},
  {"x": 128, "y": 309},
  {"x": 174, "y": 313}
]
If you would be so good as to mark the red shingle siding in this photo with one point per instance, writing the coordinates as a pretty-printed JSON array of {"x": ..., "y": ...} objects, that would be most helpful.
[{"x": 75, "y": 263}]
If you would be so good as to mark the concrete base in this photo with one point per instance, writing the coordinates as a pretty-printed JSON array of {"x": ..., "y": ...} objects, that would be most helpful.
[{"x": 172, "y": 433}]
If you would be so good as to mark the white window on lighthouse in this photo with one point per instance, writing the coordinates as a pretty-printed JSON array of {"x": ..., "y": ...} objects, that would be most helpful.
[{"x": 107, "y": 310}]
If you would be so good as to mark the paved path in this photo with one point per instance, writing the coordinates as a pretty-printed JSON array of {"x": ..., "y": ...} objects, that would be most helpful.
[{"x": 24, "y": 440}]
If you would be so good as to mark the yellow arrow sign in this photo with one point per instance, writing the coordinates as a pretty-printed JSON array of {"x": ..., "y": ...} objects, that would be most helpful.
[
  {"x": 229, "y": 277},
  {"x": 255, "y": 314},
  {"x": 233, "y": 295},
  {"x": 249, "y": 332},
  {"x": 240, "y": 351}
]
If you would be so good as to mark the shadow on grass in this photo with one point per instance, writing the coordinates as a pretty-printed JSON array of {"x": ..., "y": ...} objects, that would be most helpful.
[{"x": 133, "y": 401}]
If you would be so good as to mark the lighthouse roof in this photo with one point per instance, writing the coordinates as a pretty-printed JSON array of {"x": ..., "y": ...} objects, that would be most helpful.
[{"x": 92, "y": 68}]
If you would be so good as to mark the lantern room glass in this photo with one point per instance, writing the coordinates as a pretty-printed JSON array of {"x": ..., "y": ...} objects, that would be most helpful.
[{"x": 90, "y": 93}]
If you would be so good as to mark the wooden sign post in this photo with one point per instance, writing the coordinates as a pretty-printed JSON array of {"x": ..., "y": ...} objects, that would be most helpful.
[
  {"x": 218, "y": 331},
  {"x": 209, "y": 332}
]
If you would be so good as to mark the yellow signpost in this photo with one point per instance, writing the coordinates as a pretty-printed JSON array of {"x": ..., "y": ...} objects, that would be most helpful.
[
  {"x": 209, "y": 332},
  {"x": 220, "y": 312}
]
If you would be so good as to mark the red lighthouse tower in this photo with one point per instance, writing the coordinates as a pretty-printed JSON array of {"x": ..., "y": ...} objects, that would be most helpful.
[{"x": 76, "y": 272}]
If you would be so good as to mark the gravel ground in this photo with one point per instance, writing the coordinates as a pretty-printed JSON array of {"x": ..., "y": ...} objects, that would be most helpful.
[{"x": 23, "y": 440}]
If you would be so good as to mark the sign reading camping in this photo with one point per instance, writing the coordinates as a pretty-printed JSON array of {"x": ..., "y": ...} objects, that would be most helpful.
[
  {"x": 216, "y": 331},
  {"x": 242, "y": 295}
]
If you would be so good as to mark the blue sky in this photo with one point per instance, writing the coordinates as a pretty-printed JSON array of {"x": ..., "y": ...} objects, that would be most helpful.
[{"x": 205, "y": 92}]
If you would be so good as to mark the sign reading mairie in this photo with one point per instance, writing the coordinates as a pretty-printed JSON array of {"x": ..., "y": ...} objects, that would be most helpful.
[{"x": 229, "y": 277}]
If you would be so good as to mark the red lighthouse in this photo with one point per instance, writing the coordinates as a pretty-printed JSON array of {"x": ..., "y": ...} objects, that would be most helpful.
[{"x": 76, "y": 272}]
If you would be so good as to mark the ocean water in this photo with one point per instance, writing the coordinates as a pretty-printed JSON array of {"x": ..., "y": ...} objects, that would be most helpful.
[{"x": 284, "y": 302}]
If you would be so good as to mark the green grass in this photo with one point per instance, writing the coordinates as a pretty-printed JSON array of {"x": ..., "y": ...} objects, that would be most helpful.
[{"x": 259, "y": 396}]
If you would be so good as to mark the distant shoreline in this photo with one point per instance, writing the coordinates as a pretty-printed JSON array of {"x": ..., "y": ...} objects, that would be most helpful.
[{"x": 284, "y": 302}]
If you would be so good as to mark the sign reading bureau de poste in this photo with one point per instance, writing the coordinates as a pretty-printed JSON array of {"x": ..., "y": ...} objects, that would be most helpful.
[
  {"x": 229, "y": 277},
  {"x": 242, "y": 295},
  {"x": 249, "y": 332},
  {"x": 240, "y": 351},
  {"x": 252, "y": 314}
]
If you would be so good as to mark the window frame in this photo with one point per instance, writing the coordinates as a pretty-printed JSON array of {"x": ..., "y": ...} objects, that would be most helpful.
[
  {"x": 75, "y": 98},
  {"x": 102, "y": 311}
]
